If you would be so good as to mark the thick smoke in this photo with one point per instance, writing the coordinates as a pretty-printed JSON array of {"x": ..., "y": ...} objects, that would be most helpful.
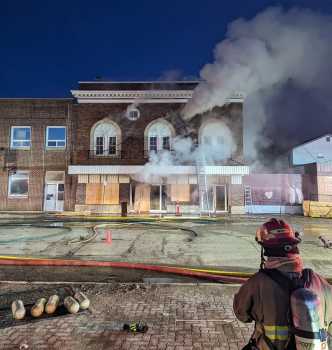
[
  {"x": 281, "y": 62},
  {"x": 216, "y": 145}
]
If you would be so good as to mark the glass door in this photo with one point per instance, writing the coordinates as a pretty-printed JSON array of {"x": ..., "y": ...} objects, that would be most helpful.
[{"x": 158, "y": 198}]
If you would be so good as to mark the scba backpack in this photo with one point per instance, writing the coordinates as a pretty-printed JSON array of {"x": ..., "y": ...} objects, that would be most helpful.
[{"x": 307, "y": 321}]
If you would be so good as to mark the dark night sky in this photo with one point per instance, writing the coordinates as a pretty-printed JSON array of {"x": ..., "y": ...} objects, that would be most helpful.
[{"x": 47, "y": 46}]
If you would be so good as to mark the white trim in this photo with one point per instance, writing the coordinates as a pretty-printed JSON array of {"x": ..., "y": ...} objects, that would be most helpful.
[
  {"x": 160, "y": 82},
  {"x": 143, "y": 96},
  {"x": 56, "y": 147},
  {"x": 174, "y": 170},
  {"x": 12, "y": 134},
  {"x": 93, "y": 139}
]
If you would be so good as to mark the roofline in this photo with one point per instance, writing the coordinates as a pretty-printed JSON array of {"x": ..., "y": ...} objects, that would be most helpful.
[
  {"x": 38, "y": 98},
  {"x": 312, "y": 140},
  {"x": 140, "y": 81}
]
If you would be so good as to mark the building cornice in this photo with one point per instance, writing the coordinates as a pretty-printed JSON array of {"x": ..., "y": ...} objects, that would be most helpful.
[{"x": 139, "y": 96}]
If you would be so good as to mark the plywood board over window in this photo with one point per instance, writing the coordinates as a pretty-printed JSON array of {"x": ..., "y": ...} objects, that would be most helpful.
[
  {"x": 180, "y": 193},
  {"x": 100, "y": 194},
  {"x": 111, "y": 194},
  {"x": 94, "y": 194},
  {"x": 142, "y": 198}
]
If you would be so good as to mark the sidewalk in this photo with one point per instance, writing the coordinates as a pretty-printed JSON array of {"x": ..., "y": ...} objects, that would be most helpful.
[{"x": 179, "y": 316}]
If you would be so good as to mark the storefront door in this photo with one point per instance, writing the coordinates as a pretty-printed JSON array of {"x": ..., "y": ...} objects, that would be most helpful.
[
  {"x": 158, "y": 198},
  {"x": 214, "y": 199}
]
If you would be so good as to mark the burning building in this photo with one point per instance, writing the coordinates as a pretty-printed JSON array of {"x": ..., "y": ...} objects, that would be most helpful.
[
  {"x": 122, "y": 142},
  {"x": 132, "y": 145}
]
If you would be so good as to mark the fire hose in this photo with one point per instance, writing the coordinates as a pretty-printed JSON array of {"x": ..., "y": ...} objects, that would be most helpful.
[
  {"x": 227, "y": 277},
  {"x": 217, "y": 276}
]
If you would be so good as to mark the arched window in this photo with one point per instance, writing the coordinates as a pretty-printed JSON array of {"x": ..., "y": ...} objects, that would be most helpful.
[
  {"x": 106, "y": 138},
  {"x": 158, "y": 135},
  {"x": 217, "y": 138}
]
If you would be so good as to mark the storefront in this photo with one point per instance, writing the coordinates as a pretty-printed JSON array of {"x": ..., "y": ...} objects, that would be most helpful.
[{"x": 181, "y": 186}]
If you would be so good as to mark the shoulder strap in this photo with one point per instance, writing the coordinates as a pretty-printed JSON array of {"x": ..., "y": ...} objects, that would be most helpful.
[
  {"x": 283, "y": 281},
  {"x": 286, "y": 283}
]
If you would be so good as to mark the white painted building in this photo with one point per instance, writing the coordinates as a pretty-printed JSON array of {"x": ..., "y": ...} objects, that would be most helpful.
[{"x": 315, "y": 151}]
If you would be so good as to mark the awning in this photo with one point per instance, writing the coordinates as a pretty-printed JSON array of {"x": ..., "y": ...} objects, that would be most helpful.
[{"x": 174, "y": 170}]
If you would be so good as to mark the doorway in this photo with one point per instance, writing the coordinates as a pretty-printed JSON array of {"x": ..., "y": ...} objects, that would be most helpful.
[
  {"x": 214, "y": 199},
  {"x": 158, "y": 198},
  {"x": 54, "y": 197}
]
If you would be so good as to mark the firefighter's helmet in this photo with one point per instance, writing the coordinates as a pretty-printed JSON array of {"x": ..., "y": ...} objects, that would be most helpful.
[{"x": 276, "y": 233}]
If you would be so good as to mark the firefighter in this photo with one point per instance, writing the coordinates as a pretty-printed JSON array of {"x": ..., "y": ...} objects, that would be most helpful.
[{"x": 271, "y": 305}]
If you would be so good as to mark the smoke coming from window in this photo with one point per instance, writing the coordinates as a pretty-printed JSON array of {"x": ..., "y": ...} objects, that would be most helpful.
[
  {"x": 216, "y": 144},
  {"x": 281, "y": 61}
]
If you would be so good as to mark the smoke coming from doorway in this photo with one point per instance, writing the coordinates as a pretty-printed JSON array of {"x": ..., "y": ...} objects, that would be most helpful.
[{"x": 281, "y": 62}]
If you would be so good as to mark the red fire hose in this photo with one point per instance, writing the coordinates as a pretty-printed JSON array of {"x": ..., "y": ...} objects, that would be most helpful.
[{"x": 4, "y": 260}]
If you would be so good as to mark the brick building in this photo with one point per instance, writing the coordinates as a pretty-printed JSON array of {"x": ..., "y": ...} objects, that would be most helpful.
[
  {"x": 35, "y": 146},
  {"x": 117, "y": 142}
]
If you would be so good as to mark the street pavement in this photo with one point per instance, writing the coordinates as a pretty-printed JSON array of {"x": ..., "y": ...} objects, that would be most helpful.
[{"x": 226, "y": 243}]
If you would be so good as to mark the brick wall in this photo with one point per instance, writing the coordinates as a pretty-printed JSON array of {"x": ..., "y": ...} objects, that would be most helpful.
[
  {"x": 37, "y": 113},
  {"x": 132, "y": 150}
]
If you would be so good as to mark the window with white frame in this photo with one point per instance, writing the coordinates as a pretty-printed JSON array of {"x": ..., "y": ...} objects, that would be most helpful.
[
  {"x": 56, "y": 137},
  {"x": 106, "y": 137},
  {"x": 18, "y": 184},
  {"x": 20, "y": 137},
  {"x": 159, "y": 136}
]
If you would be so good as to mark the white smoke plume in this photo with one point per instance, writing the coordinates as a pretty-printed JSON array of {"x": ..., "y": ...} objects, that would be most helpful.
[
  {"x": 281, "y": 61},
  {"x": 217, "y": 145}
]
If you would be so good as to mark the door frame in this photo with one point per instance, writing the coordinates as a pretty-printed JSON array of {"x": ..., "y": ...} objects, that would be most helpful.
[
  {"x": 152, "y": 211},
  {"x": 213, "y": 210},
  {"x": 57, "y": 183},
  {"x": 215, "y": 199}
]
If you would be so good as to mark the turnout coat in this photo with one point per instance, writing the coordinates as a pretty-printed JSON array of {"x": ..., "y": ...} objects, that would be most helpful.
[{"x": 263, "y": 301}]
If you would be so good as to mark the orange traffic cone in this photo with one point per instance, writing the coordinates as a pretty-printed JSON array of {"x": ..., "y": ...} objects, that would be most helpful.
[{"x": 108, "y": 237}]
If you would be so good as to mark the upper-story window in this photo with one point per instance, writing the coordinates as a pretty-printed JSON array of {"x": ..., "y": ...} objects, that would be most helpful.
[
  {"x": 133, "y": 113},
  {"x": 158, "y": 135},
  {"x": 56, "y": 137},
  {"x": 217, "y": 139},
  {"x": 106, "y": 138},
  {"x": 20, "y": 137}
]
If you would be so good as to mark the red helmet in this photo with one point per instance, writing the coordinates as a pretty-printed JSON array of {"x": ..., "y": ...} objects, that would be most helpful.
[{"x": 275, "y": 233}]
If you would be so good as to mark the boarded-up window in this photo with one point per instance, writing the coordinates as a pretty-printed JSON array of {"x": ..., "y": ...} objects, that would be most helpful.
[
  {"x": 111, "y": 195},
  {"x": 180, "y": 193},
  {"x": 194, "y": 195},
  {"x": 100, "y": 194},
  {"x": 94, "y": 194},
  {"x": 142, "y": 198}
]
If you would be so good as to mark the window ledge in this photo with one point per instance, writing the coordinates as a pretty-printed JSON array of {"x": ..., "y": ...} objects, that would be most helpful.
[
  {"x": 116, "y": 156},
  {"x": 17, "y": 196},
  {"x": 48, "y": 148},
  {"x": 20, "y": 148}
]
